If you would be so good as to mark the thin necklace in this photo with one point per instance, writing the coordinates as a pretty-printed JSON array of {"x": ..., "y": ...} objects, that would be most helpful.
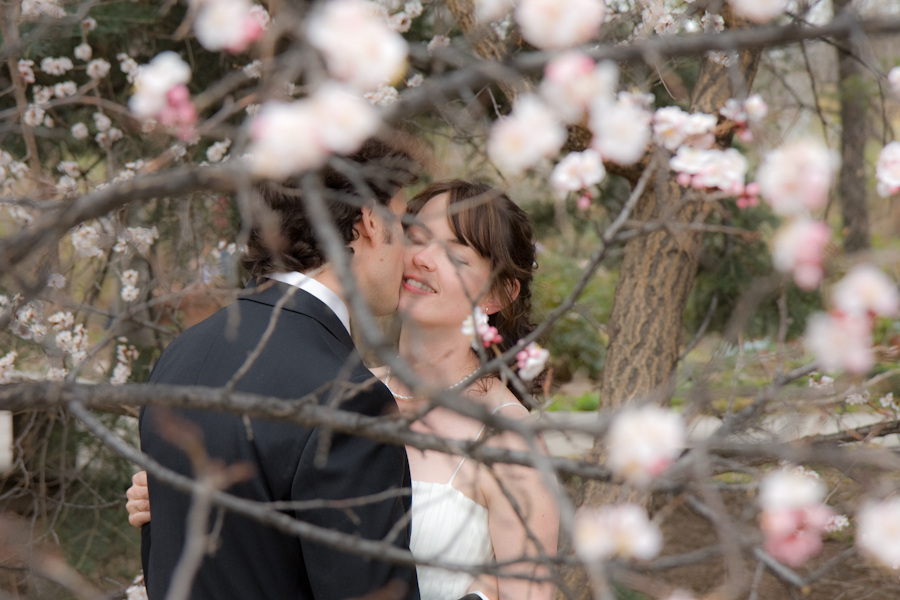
[{"x": 408, "y": 398}]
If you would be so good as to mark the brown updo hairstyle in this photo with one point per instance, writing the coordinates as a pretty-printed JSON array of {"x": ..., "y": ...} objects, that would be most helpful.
[{"x": 495, "y": 227}]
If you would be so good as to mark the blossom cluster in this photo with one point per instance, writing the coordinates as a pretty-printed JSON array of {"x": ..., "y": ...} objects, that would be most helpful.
[
  {"x": 291, "y": 137},
  {"x": 141, "y": 238},
  {"x": 643, "y": 442},
  {"x": 622, "y": 530},
  {"x": 793, "y": 516},
  {"x": 125, "y": 356},
  {"x": 161, "y": 93},
  {"x": 476, "y": 327},
  {"x": 130, "y": 292},
  {"x": 531, "y": 361},
  {"x": 230, "y": 25}
]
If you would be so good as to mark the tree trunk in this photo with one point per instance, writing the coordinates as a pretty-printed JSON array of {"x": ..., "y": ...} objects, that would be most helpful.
[
  {"x": 655, "y": 281},
  {"x": 854, "y": 133}
]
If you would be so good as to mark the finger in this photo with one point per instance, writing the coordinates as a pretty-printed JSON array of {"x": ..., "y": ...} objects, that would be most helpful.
[
  {"x": 139, "y": 519},
  {"x": 139, "y": 478},
  {"x": 138, "y": 492},
  {"x": 141, "y": 506}
]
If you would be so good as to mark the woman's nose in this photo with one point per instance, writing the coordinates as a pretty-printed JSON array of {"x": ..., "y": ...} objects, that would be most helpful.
[{"x": 422, "y": 256}]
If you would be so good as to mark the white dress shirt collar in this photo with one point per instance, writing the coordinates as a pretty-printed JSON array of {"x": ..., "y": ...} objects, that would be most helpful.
[{"x": 320, "y": 291}]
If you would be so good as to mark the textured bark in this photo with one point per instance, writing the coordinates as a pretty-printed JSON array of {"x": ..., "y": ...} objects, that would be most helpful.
[
  {"x": 484, "y": 40},
  {"x": 854, "y": 133},
  {"x": 655, "y": 281}
]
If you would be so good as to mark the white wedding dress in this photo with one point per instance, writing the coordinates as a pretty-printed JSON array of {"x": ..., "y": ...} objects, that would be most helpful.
[{"x": 450, "y": 527}]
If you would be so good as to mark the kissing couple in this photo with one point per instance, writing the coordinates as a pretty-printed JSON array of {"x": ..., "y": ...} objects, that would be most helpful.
[{"x": 464, "y": 245}]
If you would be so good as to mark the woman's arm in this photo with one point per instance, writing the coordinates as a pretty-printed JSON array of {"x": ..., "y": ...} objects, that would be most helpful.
[
  {"x": 540, "y": 513},
  {"x": 138, "y": 505}
]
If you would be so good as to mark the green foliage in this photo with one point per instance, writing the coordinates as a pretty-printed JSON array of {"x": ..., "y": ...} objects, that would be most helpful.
[
  {"x": 731, "y": 267},
  {"x": 577, "y": 341}
]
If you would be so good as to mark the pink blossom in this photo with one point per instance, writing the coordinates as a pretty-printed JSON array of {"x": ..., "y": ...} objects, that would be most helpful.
[
  {"x": 797, "y": 177},
  {"x": 758, "y": 11},
  {"x": 161, "y": 93},
  {"x": 227, "y": 25},
  {"x": 621, "y": 131},
  {"x": 476, "y": 327},
  {"x": 572, "y": 81},
  {"x": 799, "y": 248},
  {"x": 840, "y": 342},
  {"x": 643, "y": 442},
  {"x": 531, "y": 361},
  {"x": 867, "y": 290},
  {"x": 887, "y": 170},
  {"x": 551, "y": 24},
  {"x": 577, "y": 171},
  {"x": 793, "y": 516},
  {"x": 713, "y": 168},
  {"x": 365, "y": 59},
  {"x": 621, "y": 530},
  {"x": 528, "y": 135},
  {"x": 878, "y": 531}
]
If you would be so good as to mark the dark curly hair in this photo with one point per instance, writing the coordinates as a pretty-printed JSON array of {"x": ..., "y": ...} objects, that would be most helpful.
[
  {"x": 382, "y": 168},
  {"x": 499, "y": 230}
]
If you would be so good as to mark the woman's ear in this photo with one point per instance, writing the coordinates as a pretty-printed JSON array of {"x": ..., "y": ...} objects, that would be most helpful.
[{"x": 494, "y": 305}]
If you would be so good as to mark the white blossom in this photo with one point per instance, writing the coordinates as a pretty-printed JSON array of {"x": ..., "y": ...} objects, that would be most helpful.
[
  {"x": 385, "y": 95},
  {"x": 413, "y": 8},
  {"x": 528, "y": 135},
  {"x": 878, "y": 531},
  {"x": 756, "y": 108},
  {"x": 227, "y": 25},
  {"x": 83, "y": 52},
  {"x": 153, "y": 82},
  {"x": 553, "y": 24},
  {"x": 61, "y": 320},
  {"x": 887, "y": 170},
  {"x": 98, "y": 68},
  {"x": 491, "y": 10},
  {"x": 370, "y": 56},
  {"x": 438, "y": 42},
  {"x": 789, "y": 489},
  {"x": 89, "y": 24},
  {"x": 531, "y": 361},
  {"x": 86, "y": 240},
  {"x": 415, "y": 81},
  {"x": 643, "y": 442},
  {"x": 759, "y": 11},
  {"x": 80, "y": 131},
  {"x": 56, "y": 281},
  {"x": 621, "y": 131},
  {"x": 34, "y": 115},
  {"x": 217, "y": 151},
  {"x": 400, "y": 22},
  {"x": 837, "y": 523},
  {"x": 618, "y": 530},
  {"x": 67, "y": 186},
  {"x": 57, "y": 374},
  {"x": 866, "y": 289},
  {"x": 128, "y": 66},
  {"x": 70, "y": 168},
  {"x": 141, "y": 237},
  {"x": 42, "y": 94},
  {"x": 577, "y": 171},
  {"x": 572, "y": 81},
  {"x": 65, "y": 89},
  {"x": 840, "y": 342},
  {"x": 797, "y": 177},
  {"x": 102, "y": 122},
  {"x": 26, "y": 70},
  {"x": 253, "y": 69},
  {"x": 56, "y": 66},
  {"x": 857, "y": 399},
  {"x": 7, "y": 364}
]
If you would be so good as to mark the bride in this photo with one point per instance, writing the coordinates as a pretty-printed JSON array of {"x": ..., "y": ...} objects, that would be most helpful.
[{"x": 468, "y": 245}]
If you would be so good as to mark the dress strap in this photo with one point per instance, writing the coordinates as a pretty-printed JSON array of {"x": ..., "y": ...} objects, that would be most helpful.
[{"x": 477, "y": 437}]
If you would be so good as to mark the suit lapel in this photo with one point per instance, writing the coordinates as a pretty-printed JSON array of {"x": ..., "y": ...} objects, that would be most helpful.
[{"x": 271, "y": 292}]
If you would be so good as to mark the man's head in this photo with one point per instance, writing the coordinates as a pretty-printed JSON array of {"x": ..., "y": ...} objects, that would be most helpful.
[{"x": 365, "y": 201}]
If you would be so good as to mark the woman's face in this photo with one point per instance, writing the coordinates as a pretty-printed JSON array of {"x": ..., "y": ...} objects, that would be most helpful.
[{"x": 442, "y": 275}]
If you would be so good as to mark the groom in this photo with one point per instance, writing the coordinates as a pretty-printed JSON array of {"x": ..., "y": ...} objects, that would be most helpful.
[{"x": 309, "y": 349}]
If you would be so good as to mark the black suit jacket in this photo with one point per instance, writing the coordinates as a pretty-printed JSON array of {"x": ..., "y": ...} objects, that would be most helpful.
[{"x": 309, "y": 348}]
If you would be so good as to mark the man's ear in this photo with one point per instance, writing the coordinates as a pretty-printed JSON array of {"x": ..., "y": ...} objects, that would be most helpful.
[{"x": 368, "y": 225}]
